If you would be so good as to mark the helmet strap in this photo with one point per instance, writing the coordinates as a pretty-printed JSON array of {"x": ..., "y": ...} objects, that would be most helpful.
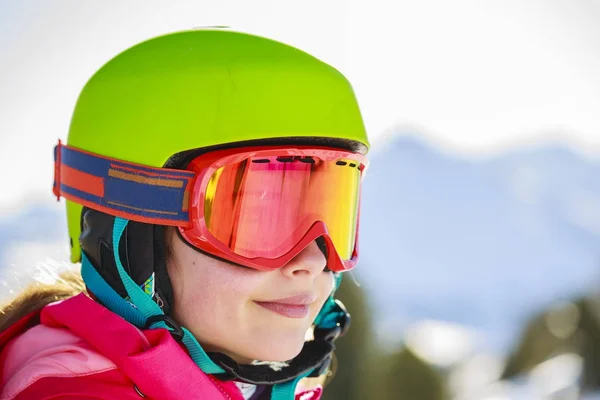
[
  {"x": 146, "y": 310},
  {"x": 139, "y": 309}
]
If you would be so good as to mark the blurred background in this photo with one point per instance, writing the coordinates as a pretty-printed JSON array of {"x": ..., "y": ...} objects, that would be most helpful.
[{"x": 480, "y": 227}]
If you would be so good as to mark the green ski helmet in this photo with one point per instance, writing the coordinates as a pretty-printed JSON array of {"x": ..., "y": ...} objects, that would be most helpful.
[
  {"x": 196, "y": 90},
  {"x": 202, "y": 88}
]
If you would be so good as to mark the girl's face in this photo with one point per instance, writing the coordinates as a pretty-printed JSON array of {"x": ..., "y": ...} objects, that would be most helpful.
[{"x": 245, "y": 313}]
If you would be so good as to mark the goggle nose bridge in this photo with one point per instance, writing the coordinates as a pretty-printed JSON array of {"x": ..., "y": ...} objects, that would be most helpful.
[{"x": 316, "y": 231}]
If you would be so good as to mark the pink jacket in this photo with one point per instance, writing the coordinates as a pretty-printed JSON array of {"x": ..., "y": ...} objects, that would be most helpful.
[{"x": 81, "y": 350}]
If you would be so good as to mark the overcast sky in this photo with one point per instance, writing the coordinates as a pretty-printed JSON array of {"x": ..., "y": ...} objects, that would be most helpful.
[{"x": 473, "y": 76}]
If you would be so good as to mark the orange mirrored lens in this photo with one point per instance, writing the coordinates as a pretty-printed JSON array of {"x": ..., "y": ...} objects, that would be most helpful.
[{"x": 262, "y": 207}]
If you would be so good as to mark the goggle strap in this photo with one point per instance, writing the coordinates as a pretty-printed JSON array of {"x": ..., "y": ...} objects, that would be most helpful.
[{"x": 127, "y": 190}]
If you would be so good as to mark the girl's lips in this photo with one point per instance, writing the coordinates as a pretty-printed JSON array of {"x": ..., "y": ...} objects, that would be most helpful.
[
  {"x": 287, "y": 310},
  {"x": 293, "y": 307}
]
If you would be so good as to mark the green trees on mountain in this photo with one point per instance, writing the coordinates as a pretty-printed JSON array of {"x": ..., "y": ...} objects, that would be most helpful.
[{"x": 363, "y": 370}]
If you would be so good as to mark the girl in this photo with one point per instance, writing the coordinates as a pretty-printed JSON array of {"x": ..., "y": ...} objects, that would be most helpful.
[{"x": 212, "y": 181}]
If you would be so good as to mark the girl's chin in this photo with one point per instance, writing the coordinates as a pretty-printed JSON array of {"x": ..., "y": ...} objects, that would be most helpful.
[{"x": 269, "y": 345}]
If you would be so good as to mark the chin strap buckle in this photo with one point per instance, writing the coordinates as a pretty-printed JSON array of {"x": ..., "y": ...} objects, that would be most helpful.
[
  {"x": 342, "y": 324},
  {"x": 174, "y": 328},
  {"x": 331, "y": 334}
]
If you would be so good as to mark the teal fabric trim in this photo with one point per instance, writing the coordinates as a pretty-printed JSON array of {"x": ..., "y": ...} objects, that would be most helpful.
[
  {"x": 107, "y": 295},
  {"x": 198, "y": 354},
  {"x": 287, "y": 390},
  {"x": 323, "y": 319},
  {"x": 326, "y": 317},
  {"x": 138, "y": 297}
]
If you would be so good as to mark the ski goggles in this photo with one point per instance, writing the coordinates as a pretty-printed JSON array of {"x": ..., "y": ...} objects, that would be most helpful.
[{"x": 255, "y": 206}]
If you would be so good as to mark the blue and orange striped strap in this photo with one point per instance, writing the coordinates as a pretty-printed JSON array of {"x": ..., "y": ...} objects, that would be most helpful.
[{"x": 126, "y": 190}]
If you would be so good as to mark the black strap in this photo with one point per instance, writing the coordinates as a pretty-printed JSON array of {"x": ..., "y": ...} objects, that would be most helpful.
[
  {"x": 175, "y": 329},
  {"x": 316, "y": 356},
  {"x": 313, "y": 354}
]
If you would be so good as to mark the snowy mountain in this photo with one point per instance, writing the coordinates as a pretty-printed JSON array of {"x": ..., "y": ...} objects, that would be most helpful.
[{"x": 484, "y": 243}]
